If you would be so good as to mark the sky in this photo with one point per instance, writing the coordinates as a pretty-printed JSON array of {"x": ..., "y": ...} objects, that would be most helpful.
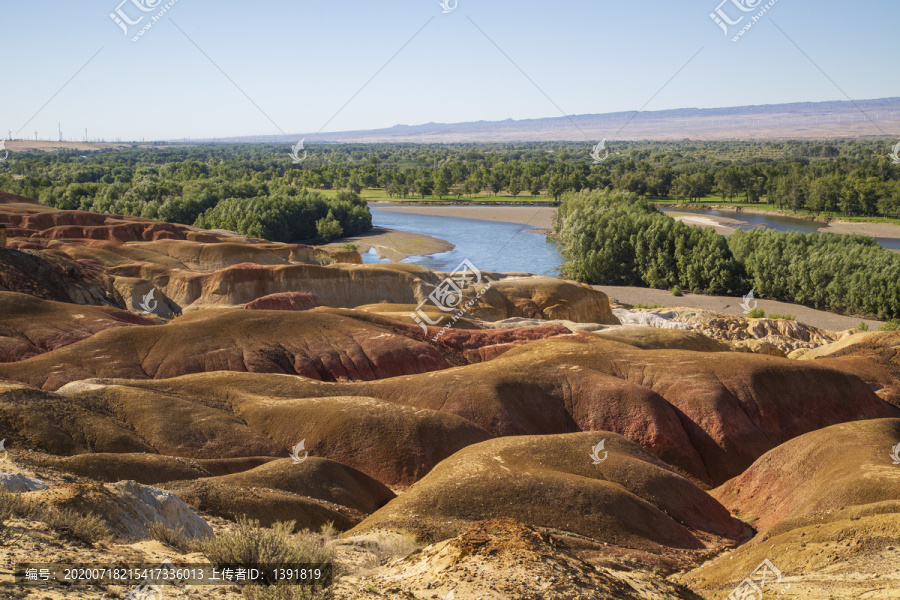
[{"x": 224, "y": 68}]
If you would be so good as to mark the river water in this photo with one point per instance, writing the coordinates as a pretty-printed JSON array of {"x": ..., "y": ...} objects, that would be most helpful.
[
  {"x": 508, "y": 247},
  {"x": 489, "y": 245},
  {"x": 776, "y": 222}
]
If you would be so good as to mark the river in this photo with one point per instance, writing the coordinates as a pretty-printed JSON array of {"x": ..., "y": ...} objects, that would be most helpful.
[
  {"x": 489, "y": 245},
  {"x": 777, "y": 222},
  {"x": 509, "y": 247}
]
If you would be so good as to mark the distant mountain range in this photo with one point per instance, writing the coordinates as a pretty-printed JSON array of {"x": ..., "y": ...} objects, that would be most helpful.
[{"x": 768, "y": 121}]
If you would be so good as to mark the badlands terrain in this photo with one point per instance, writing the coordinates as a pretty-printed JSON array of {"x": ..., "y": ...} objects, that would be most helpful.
[{"x": 550, "y": 445}]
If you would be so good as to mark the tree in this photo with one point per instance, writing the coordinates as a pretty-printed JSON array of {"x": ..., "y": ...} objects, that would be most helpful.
[
  {"x": 423, "y": 184},
  {"x": 329, "y": 228},
  {"x": 441, "y": 187},
  {"x": 557, "y": 186},
  {"x": 496, "y": 183},
  {"x": 474, "y": 184},
  {"x": 515, "y": 188}
]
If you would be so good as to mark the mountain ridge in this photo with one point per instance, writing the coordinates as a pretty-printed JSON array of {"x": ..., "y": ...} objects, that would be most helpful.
[{"x": 830, "y": 118}]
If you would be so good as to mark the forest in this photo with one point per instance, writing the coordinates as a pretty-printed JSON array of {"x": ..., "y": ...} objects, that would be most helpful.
[
  {"x": 620, "y": 238},
  {"x": 178, "y": 183}
]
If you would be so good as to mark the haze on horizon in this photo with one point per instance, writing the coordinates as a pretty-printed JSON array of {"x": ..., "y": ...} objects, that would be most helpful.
[{"x": 243, "y": 70}]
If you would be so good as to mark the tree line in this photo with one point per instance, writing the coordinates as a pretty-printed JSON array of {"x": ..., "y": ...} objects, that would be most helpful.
[
  {"x": 620, "y": 238},
  {"x": 180, "y": 183}
]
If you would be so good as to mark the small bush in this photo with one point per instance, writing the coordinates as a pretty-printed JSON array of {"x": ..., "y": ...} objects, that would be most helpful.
[
  {"x": 756, "y": 313},
  {"x": 286, "y": 592},
  {"x": 647, "y": 306},
  {"x": 11, "y": 505},
  {"x": 862, "y": 326},
  {"x": 892, "y": 325},
  {"x": 387, "y": 547},
  {"x": 783, "y": 317},
  {"x": 325, "y": 259},
  {"x": 89, "y": 529},
  {"x": 251, "y": 544},
  {"x": 175, "y": 538},
  {"x": 329, "y": 228},
  {"x": 353, "y": 247},
  {"x": 676, "y": 291}
]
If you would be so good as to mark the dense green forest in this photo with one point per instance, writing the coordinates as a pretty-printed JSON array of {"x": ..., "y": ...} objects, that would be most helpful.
[
  {"x": 179, "y": 183},
  {"x": 619, "y": 238}
]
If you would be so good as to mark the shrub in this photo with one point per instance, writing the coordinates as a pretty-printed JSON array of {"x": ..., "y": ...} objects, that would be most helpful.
[
  {"x": 676, "y": 291},
  {"x": 862, "y": 326},
  {"x": 353, "y": 247},
  {"x": 756, "y": 313},
  {"x": 286, "y": 592},
  {"x": 647, "y": 306},
  {"x": 328, "y": 228},
  {"x": 892, "y": 325},
  {"x": 386, "y": 547},
  {"x": 13, "y": 505},
  {"x": 175, "y": 538},
  {"x": 325, "y": 259},
  {"x": 251, "y": 544},
  {"x": 89, "y": 529},
  {"x": 783, "y": 317}
]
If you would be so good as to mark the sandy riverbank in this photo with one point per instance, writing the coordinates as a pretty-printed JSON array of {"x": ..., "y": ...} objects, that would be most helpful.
[
  {"x": 883, "y": 230},
  {"x": 536, "y": 217},
  {"x": 396, "y": 245},
  {"x": 723, "y": 225},
  {"x": 726, "y": 225}
]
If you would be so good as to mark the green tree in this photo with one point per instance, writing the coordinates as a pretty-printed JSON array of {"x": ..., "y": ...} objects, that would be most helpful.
[
  {"x": 441, "y": 187},
  {"x": 328, "y": 228}
]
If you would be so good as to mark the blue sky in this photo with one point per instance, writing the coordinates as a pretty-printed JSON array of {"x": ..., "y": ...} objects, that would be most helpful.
[{"x": 300, "y": 62}]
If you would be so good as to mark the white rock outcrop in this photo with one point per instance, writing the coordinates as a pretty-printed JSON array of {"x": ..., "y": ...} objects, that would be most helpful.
[{"x": 18, "y": 483}]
